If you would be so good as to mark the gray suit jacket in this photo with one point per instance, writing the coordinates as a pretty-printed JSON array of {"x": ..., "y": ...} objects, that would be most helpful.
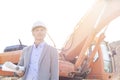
[{"x": 48, "y": 63}]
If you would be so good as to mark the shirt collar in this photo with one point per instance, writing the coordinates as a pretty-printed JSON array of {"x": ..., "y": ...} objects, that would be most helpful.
[{"x": 40, "y": 45}]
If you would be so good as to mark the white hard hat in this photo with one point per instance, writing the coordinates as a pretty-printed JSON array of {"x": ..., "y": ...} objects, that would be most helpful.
[{"x": 38, "y": 24}]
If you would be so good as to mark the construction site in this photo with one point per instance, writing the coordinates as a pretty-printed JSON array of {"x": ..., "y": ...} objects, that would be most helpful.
[{"x": 85, "y": 55}]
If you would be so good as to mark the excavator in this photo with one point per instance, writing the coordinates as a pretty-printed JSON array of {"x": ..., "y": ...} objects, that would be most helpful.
[{"x": 85, "y": 55}]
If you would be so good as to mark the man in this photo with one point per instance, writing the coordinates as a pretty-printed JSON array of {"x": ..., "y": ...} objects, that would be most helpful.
[{"x": 40, "y": 60}]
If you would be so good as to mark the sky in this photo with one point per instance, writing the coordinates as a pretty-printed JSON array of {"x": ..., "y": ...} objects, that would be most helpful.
[
  {"x": 59, "y": 16},
  {"x": 112, "y": 33}
]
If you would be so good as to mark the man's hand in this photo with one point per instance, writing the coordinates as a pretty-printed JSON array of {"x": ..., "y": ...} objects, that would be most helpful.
[{"x": 20, "y": 74}]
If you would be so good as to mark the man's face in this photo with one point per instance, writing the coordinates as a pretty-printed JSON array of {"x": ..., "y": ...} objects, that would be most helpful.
[{"x": 39, "y": 33}]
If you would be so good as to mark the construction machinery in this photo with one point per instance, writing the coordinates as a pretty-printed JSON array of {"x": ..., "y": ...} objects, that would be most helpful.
[{"x": 85, "y": 54}]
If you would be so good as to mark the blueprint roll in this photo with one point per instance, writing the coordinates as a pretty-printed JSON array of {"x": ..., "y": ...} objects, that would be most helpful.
[{"x": 9, "y": 66}]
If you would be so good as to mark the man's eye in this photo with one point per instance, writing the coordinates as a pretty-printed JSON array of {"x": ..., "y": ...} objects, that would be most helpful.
[
  {"x": 37, "y": 30},
  {"x": 42, "y": 30}
]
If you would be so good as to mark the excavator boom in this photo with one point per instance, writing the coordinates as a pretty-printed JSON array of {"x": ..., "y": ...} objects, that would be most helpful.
[
  {"x": 100, "y": 15},
  {"x": 85, "y": 32}
]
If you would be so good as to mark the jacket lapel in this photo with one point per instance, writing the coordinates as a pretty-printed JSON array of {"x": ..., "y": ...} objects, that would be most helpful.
[
  {"x": 29, "y": 54},
  {"x": 43, "y": 53}
]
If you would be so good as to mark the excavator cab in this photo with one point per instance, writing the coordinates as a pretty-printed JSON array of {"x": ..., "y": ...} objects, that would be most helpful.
[{"x": 102, "y": 66}]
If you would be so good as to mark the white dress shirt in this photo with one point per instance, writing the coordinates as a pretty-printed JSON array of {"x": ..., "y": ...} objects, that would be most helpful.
[{"x": 34, "y": 60}]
